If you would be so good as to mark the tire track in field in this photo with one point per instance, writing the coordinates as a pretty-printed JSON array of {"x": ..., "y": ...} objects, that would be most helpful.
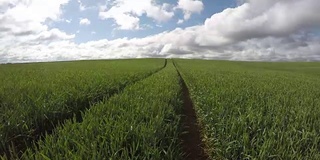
[
  {"x": 192, "y": 144},
  {"x": 121, "y": 88},
  {"x": 19, "y": 145}
]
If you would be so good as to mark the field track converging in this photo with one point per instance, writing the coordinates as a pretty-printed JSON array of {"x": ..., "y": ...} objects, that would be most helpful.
[
  {"x": 192, "y": 144},
  {"x": 160, "y": 109},
  {"x": 139, "y": 123}
]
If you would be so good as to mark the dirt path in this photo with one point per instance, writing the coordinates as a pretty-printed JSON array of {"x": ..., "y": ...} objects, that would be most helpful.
[{"x": 191, "y": 139}]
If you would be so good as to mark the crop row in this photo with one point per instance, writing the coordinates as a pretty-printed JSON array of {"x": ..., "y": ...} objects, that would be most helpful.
[
  {"x": 139, "y": 123},
  {"x": 256, "y": 110},
  {"x": 34, "y": 98}
]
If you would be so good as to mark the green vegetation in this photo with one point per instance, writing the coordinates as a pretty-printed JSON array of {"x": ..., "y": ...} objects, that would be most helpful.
[
  {"x": 139, "y": 123},
  {"x": 36, "y": 97},
  {"x": 131, "y": 109},
  {"x": 256, "y": 110}
]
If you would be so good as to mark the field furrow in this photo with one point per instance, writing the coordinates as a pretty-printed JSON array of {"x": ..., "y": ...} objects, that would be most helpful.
[
  {"x": 256, "y": 110},
  {"x": 139, "y": 123},
  {"x": 191, "y": 141},
  {"x": 159, "y": 109},
  {"x": 35, "y": 98}
]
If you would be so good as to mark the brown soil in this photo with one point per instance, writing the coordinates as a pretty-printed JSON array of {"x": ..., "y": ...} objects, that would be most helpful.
[{"x": 190, "y": 137}]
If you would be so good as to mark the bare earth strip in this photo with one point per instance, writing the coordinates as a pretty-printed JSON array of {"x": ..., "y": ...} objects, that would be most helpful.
[{"x": 192, "y": 144}]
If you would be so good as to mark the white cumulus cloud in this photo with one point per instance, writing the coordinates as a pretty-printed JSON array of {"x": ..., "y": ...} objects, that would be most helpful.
[
  {"x": 180, "y": 21},
  {"x": 24, "y": 21},
  {"x": 259, "y": 20},
  {"x": 189, "y": 7},
  {"x": 84, "y": 21},
  {"x": 81, "y": 6},
  {"x": 256, "y": 30},
  {"x": 127, "y": 13}
]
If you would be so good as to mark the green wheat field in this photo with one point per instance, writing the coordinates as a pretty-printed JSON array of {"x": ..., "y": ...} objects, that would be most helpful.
[{"x": 132, "y": 109}]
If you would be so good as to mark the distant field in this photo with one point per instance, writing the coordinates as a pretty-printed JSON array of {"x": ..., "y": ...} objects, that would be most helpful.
[{"x": 140, "y": 109}]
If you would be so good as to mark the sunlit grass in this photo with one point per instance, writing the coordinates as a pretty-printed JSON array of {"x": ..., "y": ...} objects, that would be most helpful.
[
  {"x": 139, "y": 123},
  {"x": 256, "y": 110},
  {"x": 246, "y": 110},
  {"x": 36, "y": 97}
]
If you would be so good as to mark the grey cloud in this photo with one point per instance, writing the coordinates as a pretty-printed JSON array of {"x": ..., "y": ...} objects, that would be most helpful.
[{"x": 23, "y": 33}]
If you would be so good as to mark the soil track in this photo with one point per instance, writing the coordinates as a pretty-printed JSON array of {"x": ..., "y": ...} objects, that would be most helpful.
[{"x": 190, "y": 137}]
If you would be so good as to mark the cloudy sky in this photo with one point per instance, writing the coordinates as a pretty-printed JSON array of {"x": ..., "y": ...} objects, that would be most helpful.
[{"x": 254, "y": 30}]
